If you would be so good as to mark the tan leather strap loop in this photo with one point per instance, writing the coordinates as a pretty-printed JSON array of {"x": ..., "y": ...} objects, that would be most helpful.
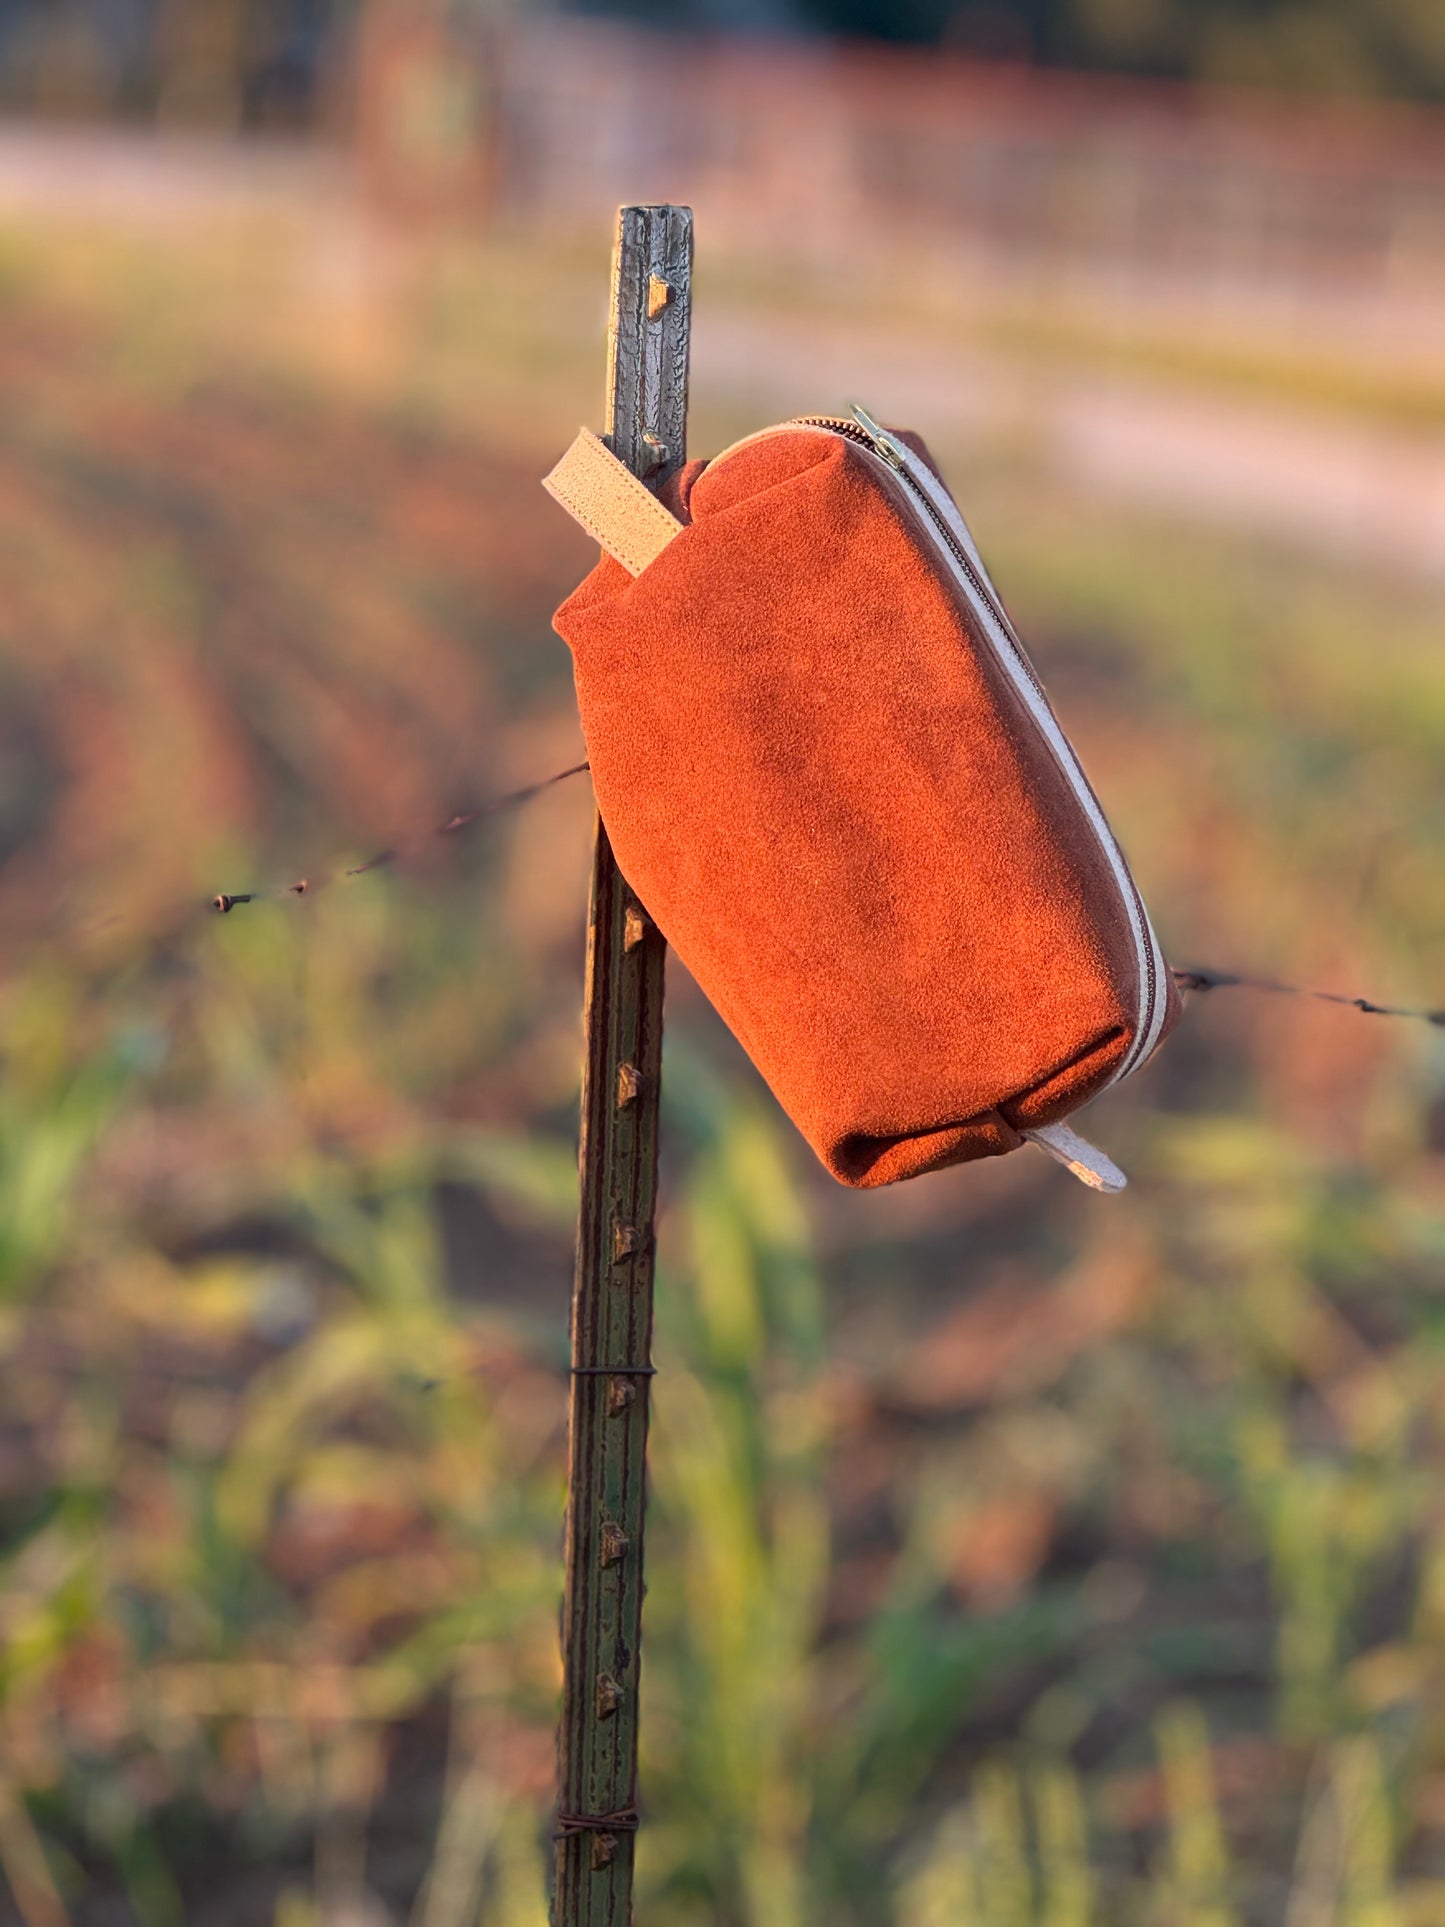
[
  {"x": 617, "y": 510},
  {"x": 1087, "y": 1162}
]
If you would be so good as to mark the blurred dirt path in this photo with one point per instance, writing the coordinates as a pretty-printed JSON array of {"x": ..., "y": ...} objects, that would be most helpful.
[
  {"x": 156, "y": 177},
  {"x": 1356, "y": 489},
  {"x": 1335, "y": 483}
]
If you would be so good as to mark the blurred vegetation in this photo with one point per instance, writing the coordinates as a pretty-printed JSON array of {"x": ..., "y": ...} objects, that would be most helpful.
[
  {"x": 282, "y": 64},
  {"x": 1015, "y": 1558},
  {"x": 1324, "y": 46},
  {"x": 213, "y": 63},
  {"x": 1393, "y": 47}
]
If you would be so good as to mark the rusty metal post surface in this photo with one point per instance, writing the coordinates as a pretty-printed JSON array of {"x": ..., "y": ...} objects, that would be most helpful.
[{"x": 647, "y": 365}]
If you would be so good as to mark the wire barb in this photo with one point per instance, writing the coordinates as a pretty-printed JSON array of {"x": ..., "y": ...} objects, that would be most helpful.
[
  {"x": 1202, "y": 980},
  {"x": 225, "y": 901}
]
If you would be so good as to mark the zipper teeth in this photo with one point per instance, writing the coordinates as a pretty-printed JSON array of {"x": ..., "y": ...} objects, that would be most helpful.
[
  {"x": 1151, "y": 1005},
  {"x": 983, "y": 588}
]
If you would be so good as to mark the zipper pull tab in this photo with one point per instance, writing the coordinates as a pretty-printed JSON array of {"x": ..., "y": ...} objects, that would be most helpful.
[
  {"x": 1087, "y": 1162},
  {"x": 892, "y": 450}
]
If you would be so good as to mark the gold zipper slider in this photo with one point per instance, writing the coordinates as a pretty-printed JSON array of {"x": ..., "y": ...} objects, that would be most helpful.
[{"x": 892, "y": 451}]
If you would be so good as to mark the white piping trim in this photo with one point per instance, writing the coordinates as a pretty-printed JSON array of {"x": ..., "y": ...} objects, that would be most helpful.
[{"x": 1146, "y": 946}]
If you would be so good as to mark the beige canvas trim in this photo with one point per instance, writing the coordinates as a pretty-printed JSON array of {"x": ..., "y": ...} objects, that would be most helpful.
[{"x": 617, "y": 510}]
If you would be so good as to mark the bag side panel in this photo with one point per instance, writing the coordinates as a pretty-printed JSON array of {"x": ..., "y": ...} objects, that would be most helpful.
[{"x": 835, "y": 807}]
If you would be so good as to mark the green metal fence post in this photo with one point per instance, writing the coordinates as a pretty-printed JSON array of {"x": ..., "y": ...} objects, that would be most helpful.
[{"x": 647, "y": 364}]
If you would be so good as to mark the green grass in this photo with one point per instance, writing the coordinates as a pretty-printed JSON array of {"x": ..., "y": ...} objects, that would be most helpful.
[{"x": 1015, "y": 1558}]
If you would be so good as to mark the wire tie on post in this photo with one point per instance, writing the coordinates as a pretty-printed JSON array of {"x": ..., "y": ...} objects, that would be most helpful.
[
  {"x": 613, "y": 1371},
  {"x": 569, "y": 1825}
]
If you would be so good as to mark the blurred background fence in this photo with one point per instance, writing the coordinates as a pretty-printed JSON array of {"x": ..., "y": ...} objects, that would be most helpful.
[
  {"x": 1316, "y": 214},
  {"x": 502, "y": 112}
]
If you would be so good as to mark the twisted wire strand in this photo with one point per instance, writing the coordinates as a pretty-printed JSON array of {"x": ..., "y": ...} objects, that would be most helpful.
[
  {"x": 1210, "y": 979},
  {"x": 228, "y": 900},
  {"x": 1198, "y": 979}
]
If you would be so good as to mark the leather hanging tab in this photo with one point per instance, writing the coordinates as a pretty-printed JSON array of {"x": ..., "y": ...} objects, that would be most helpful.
[
  {"x": 616, "y": 509},
  {"x": 1087, "y": 1162}
]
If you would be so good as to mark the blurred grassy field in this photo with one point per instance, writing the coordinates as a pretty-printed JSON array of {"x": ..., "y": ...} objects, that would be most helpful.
[{"x": 1017, "y": 1559}]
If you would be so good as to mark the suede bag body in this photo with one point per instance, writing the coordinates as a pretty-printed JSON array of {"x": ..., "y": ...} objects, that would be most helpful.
[{"x": 834, "y": 802}]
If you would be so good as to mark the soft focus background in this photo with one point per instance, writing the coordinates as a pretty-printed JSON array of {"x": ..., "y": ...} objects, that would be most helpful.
[{"x": 1017, "y": 1558}]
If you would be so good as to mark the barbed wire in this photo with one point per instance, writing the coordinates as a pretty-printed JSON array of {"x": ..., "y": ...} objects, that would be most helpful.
[
  {"x": 1230, "y": 980},
  {"x": 1199, "y": 979},
  {"x": 307, "y": 886}
]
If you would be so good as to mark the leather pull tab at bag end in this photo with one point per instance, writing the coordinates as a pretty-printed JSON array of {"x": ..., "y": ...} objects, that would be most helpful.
[
  {"x": 617, "y": 510},
  {"x": 1087, "y": 1162}
]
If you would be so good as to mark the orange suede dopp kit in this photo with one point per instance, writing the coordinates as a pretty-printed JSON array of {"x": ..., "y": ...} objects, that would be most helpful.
[{"x": 831, "y": 775}]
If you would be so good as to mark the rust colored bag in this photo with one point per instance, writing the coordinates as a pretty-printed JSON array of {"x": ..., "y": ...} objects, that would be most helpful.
[{"x": 832, "y": 775}]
